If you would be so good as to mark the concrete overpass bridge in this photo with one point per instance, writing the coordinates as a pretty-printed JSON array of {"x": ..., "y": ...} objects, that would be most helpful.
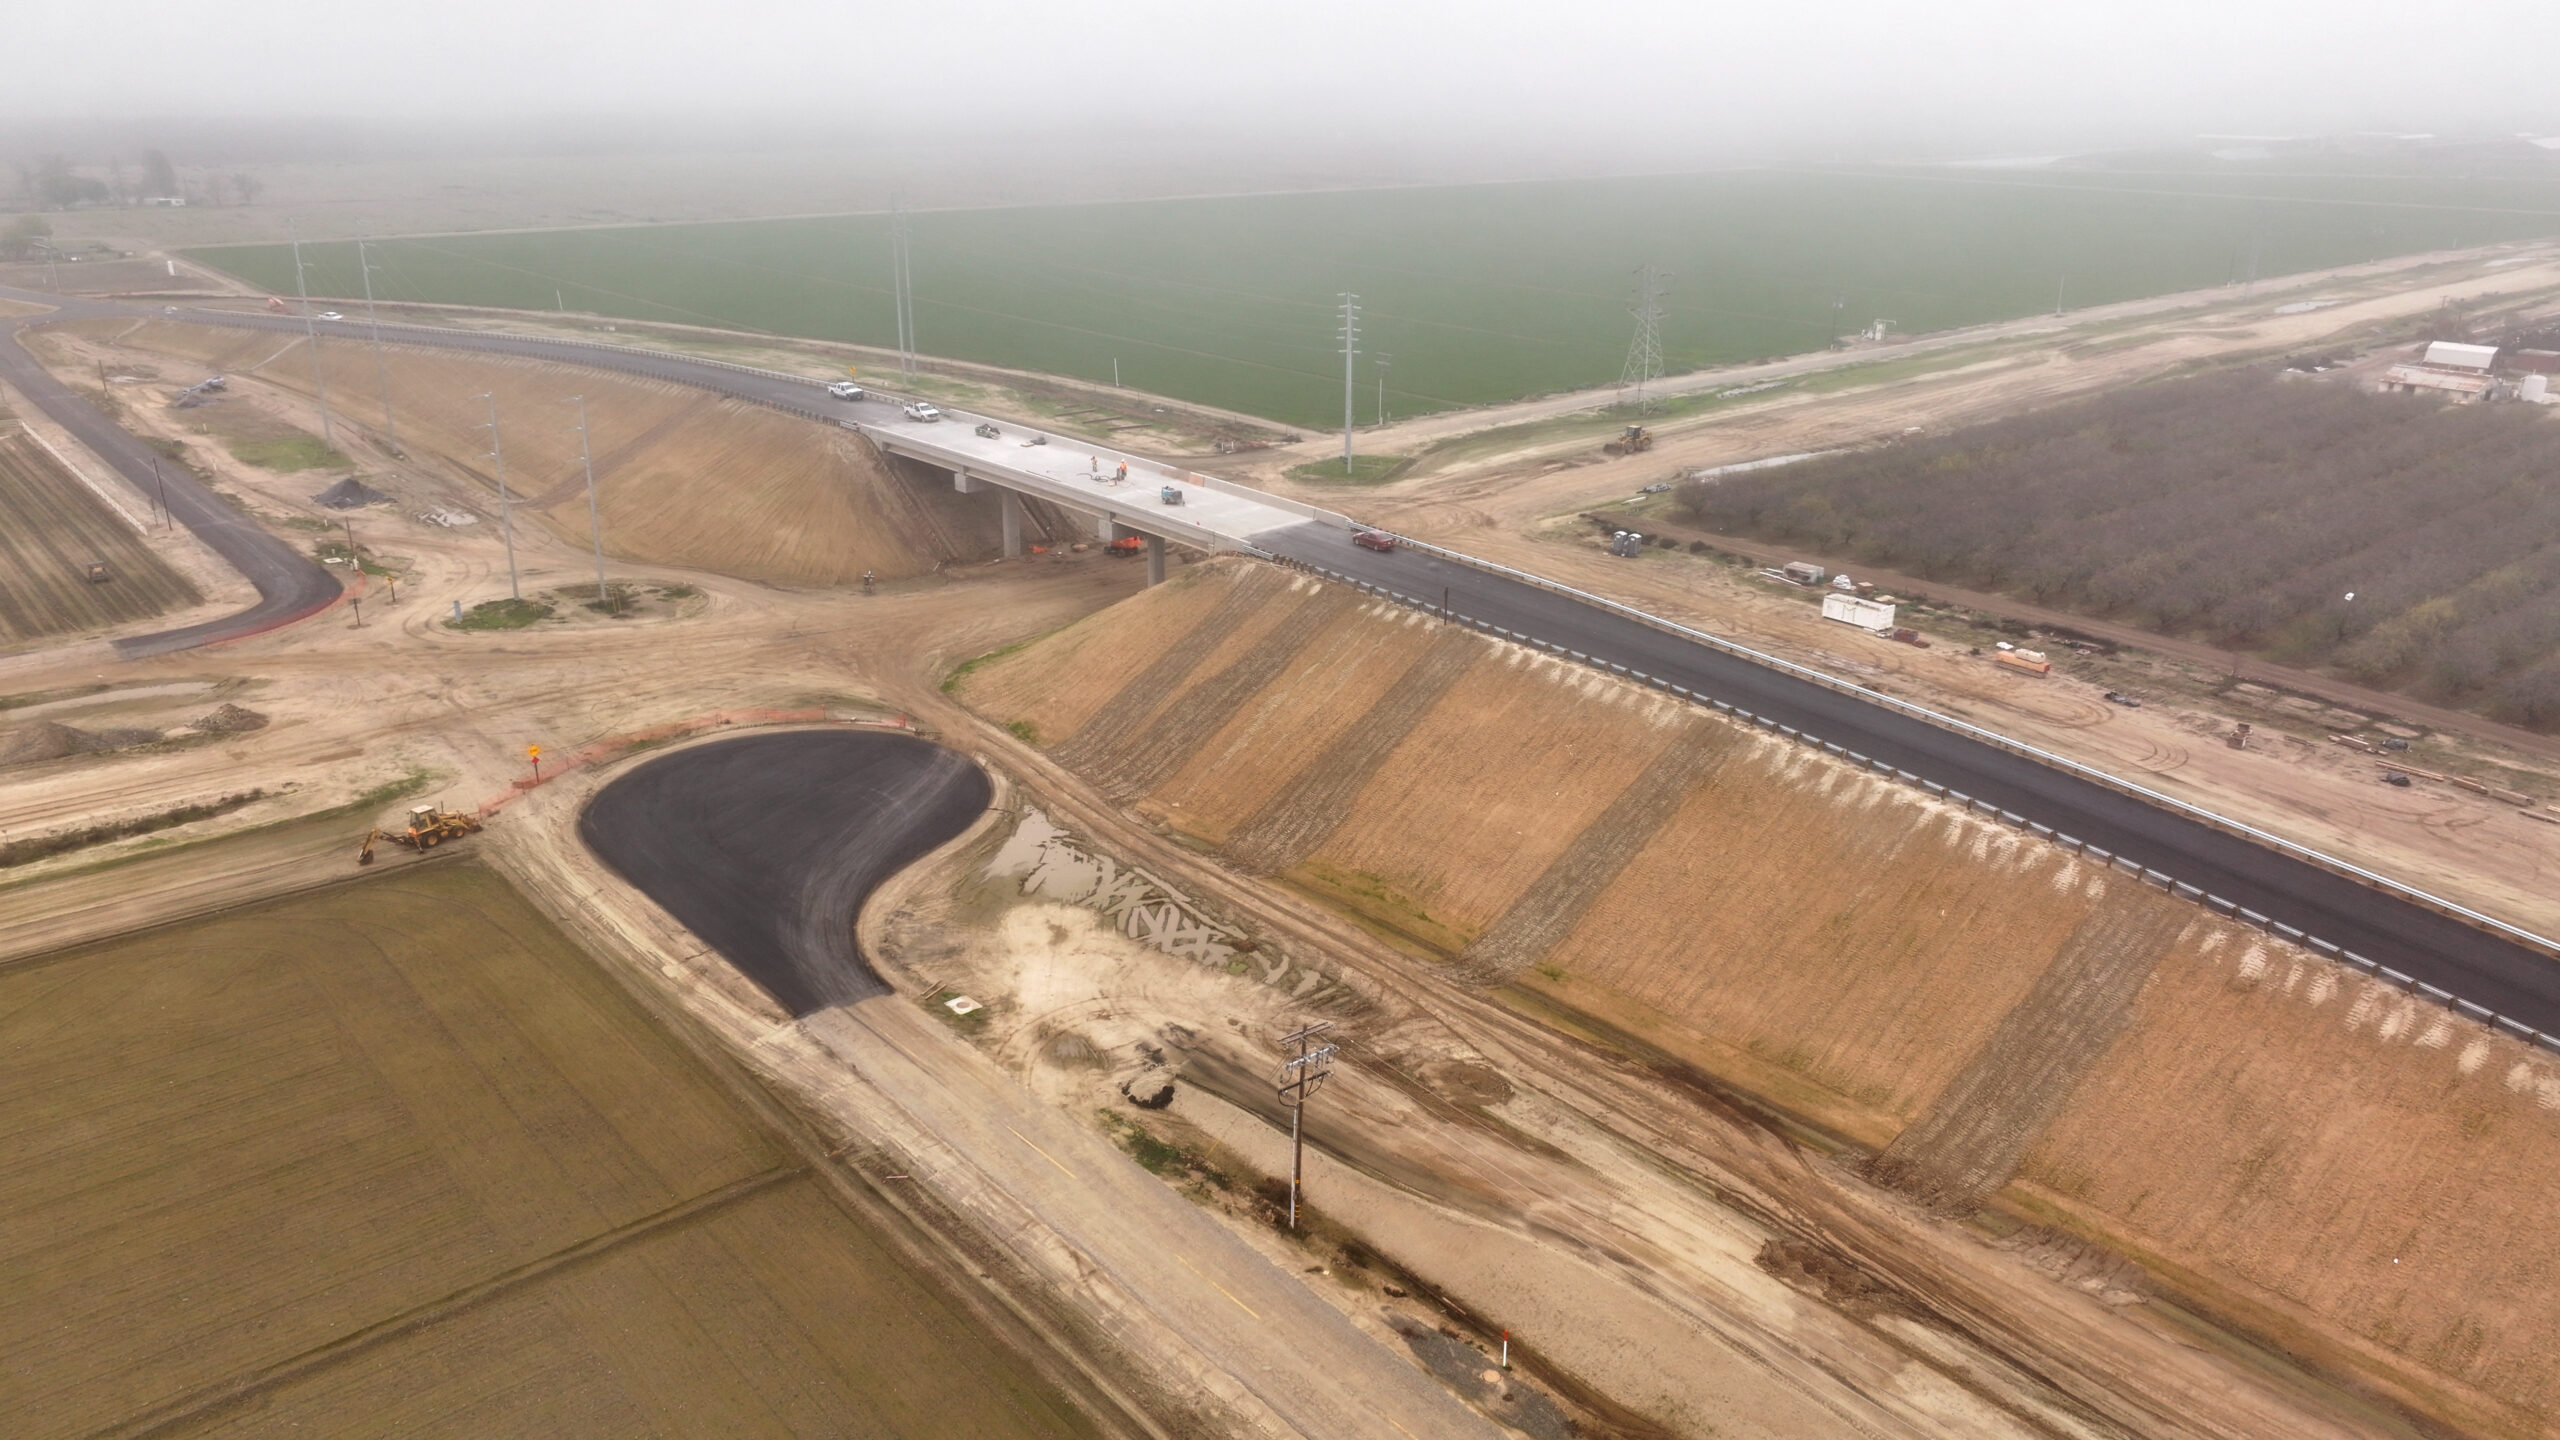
[{"x": 1120, "y": 495}]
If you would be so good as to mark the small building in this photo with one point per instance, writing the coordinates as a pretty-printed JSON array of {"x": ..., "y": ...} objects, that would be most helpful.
[
  {"x": 1857, "y": 610},
  {"x": 2449, "y": 355},
  {"x": 2420, "y": 379}
]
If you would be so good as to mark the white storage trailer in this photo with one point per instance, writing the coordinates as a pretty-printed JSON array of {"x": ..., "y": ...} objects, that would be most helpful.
[{"x": 1857, "y": 610}]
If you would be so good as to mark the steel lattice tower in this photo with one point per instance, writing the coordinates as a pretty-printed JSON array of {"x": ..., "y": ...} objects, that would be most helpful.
[{"x": 1644, "y": 353}]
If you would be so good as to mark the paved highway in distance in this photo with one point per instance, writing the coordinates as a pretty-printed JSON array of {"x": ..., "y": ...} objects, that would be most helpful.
[
  {"x": 290, "y": 584},
  {"x": 2473, "y": 963}
]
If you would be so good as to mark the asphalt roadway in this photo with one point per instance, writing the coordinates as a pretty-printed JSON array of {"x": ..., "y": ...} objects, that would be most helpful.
[
  {"x": 766, "y": 845},
  {"x": 2454, "y": 955},
  {"x": 2442, "y": 950},
  {"x": 290, "y": 584}
]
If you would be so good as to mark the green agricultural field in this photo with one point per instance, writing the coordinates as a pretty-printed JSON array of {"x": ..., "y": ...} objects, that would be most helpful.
[
  {"x": 394, "y": 1157},
  {"x": 1473, "y": 294}
]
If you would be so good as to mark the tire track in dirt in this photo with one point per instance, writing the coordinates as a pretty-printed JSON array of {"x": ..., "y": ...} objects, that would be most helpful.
[
  {"x": 1554, "y": 903},
  {"x": 1307, "y": 810},
  {"x": 1141, "y": 697},
  {"x": 1974, "y": 1135},
  {"x": 1146, "y": 758}
]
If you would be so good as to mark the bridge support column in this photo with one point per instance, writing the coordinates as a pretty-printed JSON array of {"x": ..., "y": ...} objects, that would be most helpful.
[
  {"x": 1155, "y": 560},
  {"x": 1107, "y": 529},
  {"x": 1011, "y": 507},
  {"x": 966, "y": 483}
]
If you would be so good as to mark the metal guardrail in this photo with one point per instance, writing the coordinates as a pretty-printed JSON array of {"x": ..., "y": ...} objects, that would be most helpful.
[{"x": 2141, "y": 874}]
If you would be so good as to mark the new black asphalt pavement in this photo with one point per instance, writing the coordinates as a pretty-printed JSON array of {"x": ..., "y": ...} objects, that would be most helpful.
[{"x": 767, "y": 845}]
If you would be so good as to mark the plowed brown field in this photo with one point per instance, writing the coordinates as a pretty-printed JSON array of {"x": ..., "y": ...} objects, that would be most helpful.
[
  {"x": 2354, "y": 1174},
  {"x": 393, "y": 1155},
  {"x": 682, "y": 478},
  {"x": 51, "y": 527}
]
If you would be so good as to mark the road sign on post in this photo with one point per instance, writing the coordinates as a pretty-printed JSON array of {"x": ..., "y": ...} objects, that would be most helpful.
[
  {"x": 534, "y": 754},
  {"x": 1301, "y": 1076}
]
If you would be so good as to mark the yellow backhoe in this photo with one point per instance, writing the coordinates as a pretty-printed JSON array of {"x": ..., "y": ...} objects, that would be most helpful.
[
  {"x": 1635, "y": 441},
  {"x": 428, "y": 828}
]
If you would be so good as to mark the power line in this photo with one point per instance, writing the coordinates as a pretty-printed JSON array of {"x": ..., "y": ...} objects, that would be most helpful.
[
  {"x": 506, "y": 511},
  {"x": 311, "y": 333},
  {"x": 1302, "y": 1075},
  {"x": 1350, "y": 352},
  {"x": 1644, "y": 352},
  {"x": 901, "y": 252},
  {"x": 381, "y": 371}
]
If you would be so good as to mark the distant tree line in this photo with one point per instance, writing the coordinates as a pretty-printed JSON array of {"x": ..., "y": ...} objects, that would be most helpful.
[
  {"x": 2242, "y": 508},
  {"x": 52, "y": 183}
]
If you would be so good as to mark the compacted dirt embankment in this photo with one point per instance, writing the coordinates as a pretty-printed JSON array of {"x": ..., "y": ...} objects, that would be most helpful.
[{"x": 2332, "y": 1165}]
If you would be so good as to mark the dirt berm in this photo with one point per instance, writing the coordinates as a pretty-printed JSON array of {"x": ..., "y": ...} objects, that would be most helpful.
[
  {"x": 2347, "y": 1172},
  {"x": 682, "y": 477}
]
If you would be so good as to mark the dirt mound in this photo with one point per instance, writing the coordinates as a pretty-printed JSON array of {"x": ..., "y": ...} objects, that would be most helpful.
[
  {"x": 230, "y": 720},
  {"x": 682, "y": 477},
  {"x": 350, "y": 494},
  {"x": 2351, "y": 1171},
  {"x": 51, "y": 740}
]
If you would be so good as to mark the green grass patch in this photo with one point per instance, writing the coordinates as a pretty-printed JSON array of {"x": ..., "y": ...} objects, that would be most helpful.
[
  {"x": 1365, "y": 470},
  {"x": 965, "y": 668},
  {"x": 289, "y": 454},
  {"x": 1024, "y": 731},
  {"x": 1482, "y": 293},
  {"x": 501, "y": 615}
]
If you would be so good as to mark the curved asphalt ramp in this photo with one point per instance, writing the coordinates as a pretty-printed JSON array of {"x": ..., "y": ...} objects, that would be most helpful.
[
  {"x": 767, "y": 845},
  {"x": 291, "y": 585}
]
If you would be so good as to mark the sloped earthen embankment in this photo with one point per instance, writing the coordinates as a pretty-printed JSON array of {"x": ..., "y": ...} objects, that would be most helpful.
[{"x": 2348, "y": 1170}]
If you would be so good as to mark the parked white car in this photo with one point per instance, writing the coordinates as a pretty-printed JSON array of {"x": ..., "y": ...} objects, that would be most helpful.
[
  {"x": 331, "y": 315},
  {"x": 919, "y": 410},
  {"x": 846, "y": 390}
]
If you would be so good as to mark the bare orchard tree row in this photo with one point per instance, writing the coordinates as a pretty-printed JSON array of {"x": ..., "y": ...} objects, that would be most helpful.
[{"x": 2243, "y": 508}]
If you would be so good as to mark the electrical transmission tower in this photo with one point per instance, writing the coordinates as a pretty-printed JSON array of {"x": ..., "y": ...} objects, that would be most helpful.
[
  {"x": 1644, "y": 353},
  {"x": 901, "y": 249},
  {"x": 1350, "y": 352},
  {"x": 1302, "y": 1075}
]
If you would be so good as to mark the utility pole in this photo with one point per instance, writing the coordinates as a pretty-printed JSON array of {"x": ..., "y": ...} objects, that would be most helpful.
[
  {"x": 1350, "y": 353},
  {"x": 1644, "y": 352},
  {"x": 1382, "y": 387},
  {"x": 1301, "y": 1076},
  {"x": 901, "y": 256},
  {"x": 311, "y": 332},
  {"x": 506, "y": 513},
  {"x": 381, "y": 373},
  {"x": 595, "y": 527}
]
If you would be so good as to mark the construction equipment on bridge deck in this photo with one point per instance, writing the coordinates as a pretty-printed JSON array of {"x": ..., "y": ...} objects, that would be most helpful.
[
  {"x": 1635, "y": 441},
  {"x": 428, "y": 828},
  {"x": 1171, "y": 494},
  {"x": 986, "y": 431}
]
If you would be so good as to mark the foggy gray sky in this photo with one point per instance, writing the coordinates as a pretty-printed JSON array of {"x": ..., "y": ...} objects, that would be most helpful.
[{"x": 1953, "y": 76}]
